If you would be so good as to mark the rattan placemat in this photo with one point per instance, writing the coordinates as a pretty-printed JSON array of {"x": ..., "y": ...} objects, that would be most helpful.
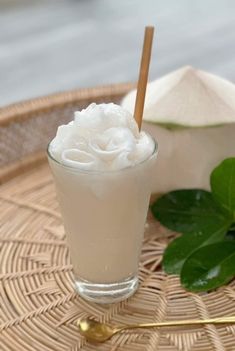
[{"x": 39, "y": 308}]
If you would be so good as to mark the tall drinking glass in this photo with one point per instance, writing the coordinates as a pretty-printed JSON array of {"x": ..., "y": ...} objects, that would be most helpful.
[{"x": 104, "y": 214}]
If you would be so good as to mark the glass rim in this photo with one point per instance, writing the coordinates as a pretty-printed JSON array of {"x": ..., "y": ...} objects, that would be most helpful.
[{"x": 85, "y": 171}]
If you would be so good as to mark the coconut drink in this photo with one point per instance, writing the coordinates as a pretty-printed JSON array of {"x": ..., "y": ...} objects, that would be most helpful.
[{"x": 192, "y": 115}]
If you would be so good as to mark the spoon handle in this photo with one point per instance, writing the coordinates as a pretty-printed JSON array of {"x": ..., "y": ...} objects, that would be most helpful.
[{"x": 222, "y": 320}]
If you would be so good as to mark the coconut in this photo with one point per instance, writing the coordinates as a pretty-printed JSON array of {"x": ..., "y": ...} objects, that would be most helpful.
[{"x": 191, "y": 113}]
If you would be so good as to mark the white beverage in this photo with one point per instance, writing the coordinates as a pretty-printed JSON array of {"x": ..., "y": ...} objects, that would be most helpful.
[{"x": 102, "y": 168}]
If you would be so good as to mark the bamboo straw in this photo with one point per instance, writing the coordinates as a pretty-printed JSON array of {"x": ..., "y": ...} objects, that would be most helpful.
[{"x": 143, "y": 75}]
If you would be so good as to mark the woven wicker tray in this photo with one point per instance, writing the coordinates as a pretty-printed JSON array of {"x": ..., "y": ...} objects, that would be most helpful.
[{"x": 38, "y": 307}]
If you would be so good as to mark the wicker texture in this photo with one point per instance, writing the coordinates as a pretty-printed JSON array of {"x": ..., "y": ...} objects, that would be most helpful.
[{"x": 38, "y": 307}]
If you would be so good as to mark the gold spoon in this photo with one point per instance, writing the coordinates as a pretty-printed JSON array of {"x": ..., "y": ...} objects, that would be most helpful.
[{"x": 99, "y": 332}]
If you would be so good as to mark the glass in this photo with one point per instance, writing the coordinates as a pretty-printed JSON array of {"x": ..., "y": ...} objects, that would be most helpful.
[{"x": 104, "y": 214}]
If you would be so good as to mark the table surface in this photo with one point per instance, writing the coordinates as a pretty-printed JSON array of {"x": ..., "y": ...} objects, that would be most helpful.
[{"x": 51, "y": 46}]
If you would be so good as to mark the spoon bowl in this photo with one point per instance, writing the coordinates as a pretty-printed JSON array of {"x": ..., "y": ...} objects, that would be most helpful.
[{"x": 96, "y": 331}]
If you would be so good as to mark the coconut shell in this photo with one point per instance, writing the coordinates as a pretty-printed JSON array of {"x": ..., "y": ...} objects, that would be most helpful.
[
  {"x": 187, "y": 97},
  {"x": 191, "y": 114}
]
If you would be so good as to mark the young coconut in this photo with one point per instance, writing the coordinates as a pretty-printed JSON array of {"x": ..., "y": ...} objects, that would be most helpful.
[{"x": 191, "y": 113}]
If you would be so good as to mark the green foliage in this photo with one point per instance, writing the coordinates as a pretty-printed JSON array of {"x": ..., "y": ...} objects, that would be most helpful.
[{"x": 206, "y": 220}]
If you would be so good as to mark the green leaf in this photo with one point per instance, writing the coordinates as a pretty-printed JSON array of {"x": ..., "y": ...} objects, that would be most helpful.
[
  {"x": 205, "y": 254},
  {"x": 181, "y": 248},
  {"x": 189, "y": 211},
  {"x": 209, "y": 267},
  {"x": 230, "y": 235},
  {"x": 223, "y": 185}
]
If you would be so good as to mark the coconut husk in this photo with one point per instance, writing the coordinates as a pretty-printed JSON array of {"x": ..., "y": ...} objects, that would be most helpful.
[{"x": 187, "y": 97}]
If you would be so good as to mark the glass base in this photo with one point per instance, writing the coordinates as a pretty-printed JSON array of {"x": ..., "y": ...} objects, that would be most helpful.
[{"x": 106, "y": 293}]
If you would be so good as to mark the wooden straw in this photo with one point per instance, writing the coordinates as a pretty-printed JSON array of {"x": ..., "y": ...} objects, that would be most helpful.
[{"x": 143, "y": 75}]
